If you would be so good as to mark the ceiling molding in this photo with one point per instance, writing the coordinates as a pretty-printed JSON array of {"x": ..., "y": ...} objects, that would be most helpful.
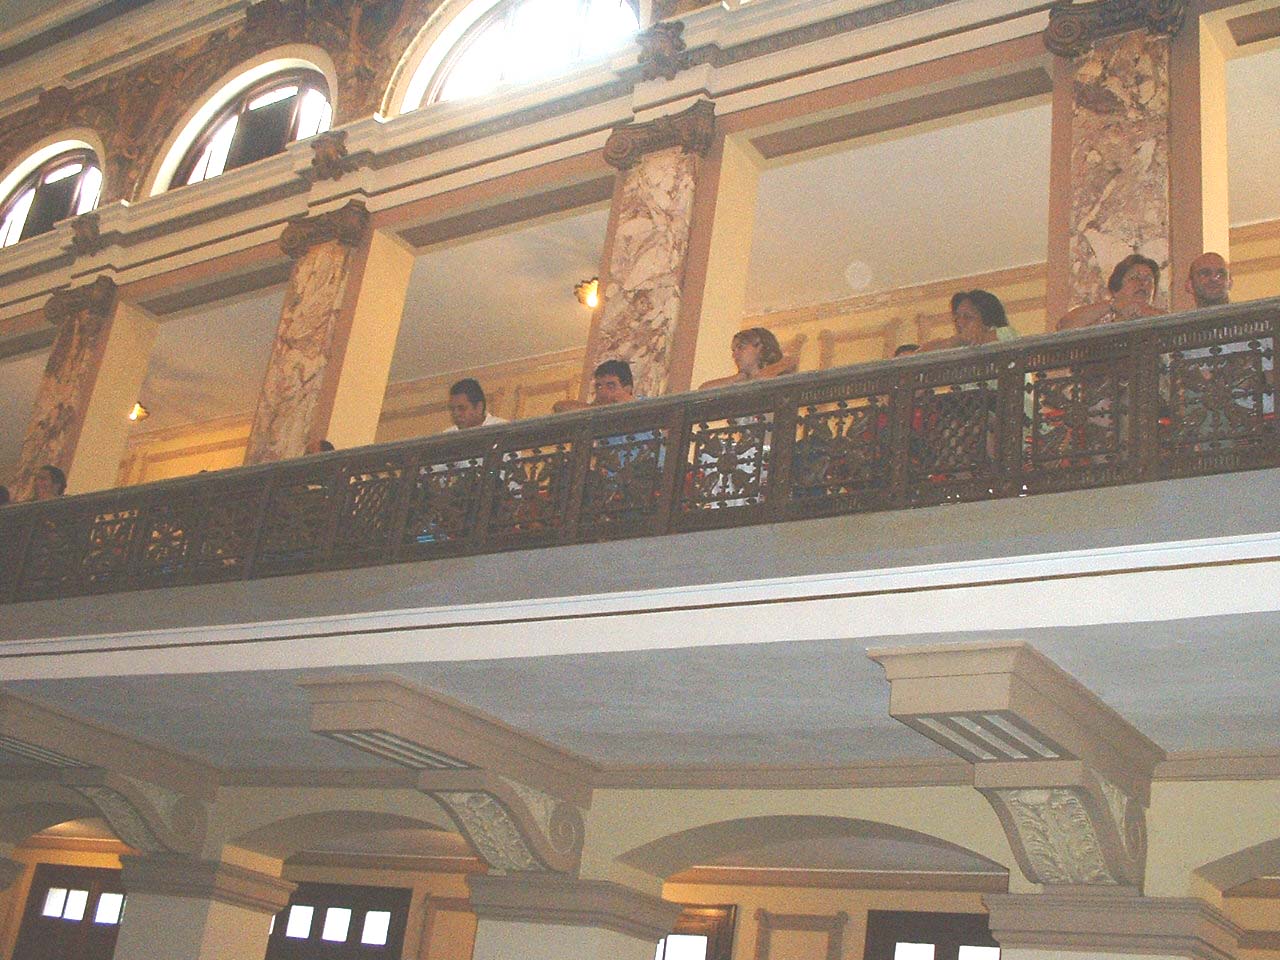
[
  {"x": 408, "y": 863},
  {"x": 887, "y": 773},
  {"x": 915, "y": 880}
]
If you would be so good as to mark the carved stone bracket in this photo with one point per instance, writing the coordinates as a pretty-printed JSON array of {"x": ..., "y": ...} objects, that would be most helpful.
[
  {"x": 329, "y": 157},
  {"x": 1075, "y": 27},
  {"x": 512, "y": 826},
  {"x": 97, "y": 298},
  {"x": 662, "y": 50},
  {"x": 86, "y": 235},
  {"x": 1087, "y": 832},
  {"x": 147, "y": 817},
  {"x": 347, "y": 225},
  {"x": 693, "y": 130}
]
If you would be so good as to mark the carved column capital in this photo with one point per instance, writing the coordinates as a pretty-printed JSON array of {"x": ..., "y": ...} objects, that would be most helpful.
[
  {"x": 662, "y": 50},
  {"x": 693, "y": 130},
  {"x": 1082, "y": 830},
  {"x": 348, "y": 225},
  {"x": 514, "y": 827},
  {"x": 97, "y": 298},
  {"x": 1075, "y": 26},
  {"x": 178, "y": 876}
]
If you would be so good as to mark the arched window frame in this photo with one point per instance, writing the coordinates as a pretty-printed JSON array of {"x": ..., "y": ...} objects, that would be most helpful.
[
  {"x": 448, "y": 41},
  {"x": 85, "y": 192},
  {"x": 305, "y": 79}
]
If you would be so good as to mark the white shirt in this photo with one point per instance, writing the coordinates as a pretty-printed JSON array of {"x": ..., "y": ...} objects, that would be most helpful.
[{"x": 489, "y": 421}]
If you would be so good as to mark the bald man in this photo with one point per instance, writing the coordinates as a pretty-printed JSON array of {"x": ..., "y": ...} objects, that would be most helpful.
[{"x": 1209, "y": 280}]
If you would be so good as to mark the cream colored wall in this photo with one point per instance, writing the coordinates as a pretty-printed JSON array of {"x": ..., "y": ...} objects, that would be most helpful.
[
  {"x": 13, "y": 900},
  {"x": 815, "y": 902},
  {"x": 854, "y": 330},
  {"x": 440, "y": 926}
]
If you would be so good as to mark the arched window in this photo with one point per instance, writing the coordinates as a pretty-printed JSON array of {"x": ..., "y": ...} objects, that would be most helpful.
[
  {"x": 65, "y": 185},
  {"x": 259, "y": 122},
  {"x": 521, "y": 41}
]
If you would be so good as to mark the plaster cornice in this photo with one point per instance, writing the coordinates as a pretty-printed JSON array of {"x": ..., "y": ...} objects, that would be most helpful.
[
  {"x": 566, "y": 901},
  {"x": 206, "y": 880}
]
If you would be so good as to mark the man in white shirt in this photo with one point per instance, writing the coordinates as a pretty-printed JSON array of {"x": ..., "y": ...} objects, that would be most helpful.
[{"x": 467, "y": 406}]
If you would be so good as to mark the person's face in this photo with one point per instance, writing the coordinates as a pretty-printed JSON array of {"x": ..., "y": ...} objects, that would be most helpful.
[
  {"x": 44, "y": 487},
  {"x": 1209, "y": 280},
  {"x": 746, "y": 355},
  {"x": 1138, "y": 285},
  {"x": 969, "y": 325},
  {"x": 464, "y": 413},
  {"x": 609, "y": 389}
]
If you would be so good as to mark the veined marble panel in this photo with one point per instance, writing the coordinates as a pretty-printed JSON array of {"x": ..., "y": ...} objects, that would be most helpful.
[
  {"x": 64, "y": 394},
  {"x": 1119, "y": 160},
  {"x": 301, "y": 354},
  {"x": 646, "y": 266}
]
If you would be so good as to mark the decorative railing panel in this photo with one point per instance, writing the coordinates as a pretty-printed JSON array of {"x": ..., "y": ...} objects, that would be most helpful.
[{"x": 1177, "y": 396}]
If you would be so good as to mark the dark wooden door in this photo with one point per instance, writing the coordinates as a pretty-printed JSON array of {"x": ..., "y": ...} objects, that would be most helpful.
[{"x": 72, "y": 913}]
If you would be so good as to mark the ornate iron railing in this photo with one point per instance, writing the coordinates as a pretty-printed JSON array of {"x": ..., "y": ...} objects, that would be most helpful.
[{"x": 1177, "y": 396}]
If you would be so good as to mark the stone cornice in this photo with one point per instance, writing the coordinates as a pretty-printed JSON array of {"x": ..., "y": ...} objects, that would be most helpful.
[
  {"x": 549, "y": 898},
  {"x": 1075, "y": 27},
  {"x": 347, "y": 225},
  {"x": 693, "y": 130},
  {"x": 1120, "y": 923},
  {"x": 177, "y": 876},
  {"x": 97, "y": 299}
]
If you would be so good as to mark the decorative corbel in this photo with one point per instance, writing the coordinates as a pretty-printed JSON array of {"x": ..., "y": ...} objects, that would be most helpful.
[
  {"x": 693, "y": 130},
  {"x": 348, "y": 225},
  {"x": 662, "y": 50},
  {"x": 147, "y": 817},
  {"x": 1084, "y": 830},
  {"x": 511, "y": 825},
  {"x": 329, "y": 157},
  {"x": 86, "y": 235},
  {"x": 1074, "y": 27}
]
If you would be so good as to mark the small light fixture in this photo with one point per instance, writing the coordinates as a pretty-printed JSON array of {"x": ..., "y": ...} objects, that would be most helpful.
[
  {"x": 139, "y": 412},
  {"x": 588, "y": 293}
]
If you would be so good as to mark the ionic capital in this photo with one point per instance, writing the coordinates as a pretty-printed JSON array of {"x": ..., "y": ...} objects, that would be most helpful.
[
  {"x": 97, "y": 299},
  {"x": 347, "y": 225},
  {"x": 693, "y": 130},
  {"x": 1075, "y": 27}
]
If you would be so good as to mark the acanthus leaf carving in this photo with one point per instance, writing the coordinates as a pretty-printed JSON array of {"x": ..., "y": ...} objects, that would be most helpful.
[
  {"x": 693, "y": 130},
  {"x": 490, "y": 828},
  {"x": 147, "y": 817},
  {"x": 1075, "y": 26}
]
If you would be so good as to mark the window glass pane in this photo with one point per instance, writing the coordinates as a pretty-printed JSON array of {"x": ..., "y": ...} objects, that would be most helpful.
[
  {"x": 76, "y": 900},
  {"x": 214, "y": 159},
  {"x": 263, "y": 133},
  {"x": 376, "y": 924},
  {"x": 609, "y": 24},
  {"x": 979, "y": 953},
  {"x": 657, "y": 954},
  {"x": 299, "y": 925},
  {"x": 54, "y": 901},
  {"x": 90, "y": 190},
  {"x": 913, "y": 951},
  {"x": 272, "y": 96},
  {"x": 11, "y": 229},
  {"x": 685, "y": 946},
  {"x": 109, "y": 905},
  {"x": 313, "y": 114},
  {"x": 541, "y": 43},
  {"x": 479, "y": 69},
  {"x": 63, "y": 172},
  {"x": 337, "y": 921},
  {"x": 52, "y": 203}
]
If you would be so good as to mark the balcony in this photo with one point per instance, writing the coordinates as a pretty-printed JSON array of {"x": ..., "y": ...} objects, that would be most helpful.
[{"x": 1186, "y": 395}]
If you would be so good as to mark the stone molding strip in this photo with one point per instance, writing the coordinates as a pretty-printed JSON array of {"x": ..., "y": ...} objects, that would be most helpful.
[
  {"x": 693, "y": 130},
  {"x": 565, "y": 901},
  {"x": 1075, "y": 27},
  {"x": 1082, "y": 922},
  {"x": 177, "y": 876}
]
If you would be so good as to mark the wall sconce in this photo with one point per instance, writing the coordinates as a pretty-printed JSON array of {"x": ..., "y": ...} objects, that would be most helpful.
[
  {"x": 588, "y": 293},
  {"x": 139, "y": 412}
]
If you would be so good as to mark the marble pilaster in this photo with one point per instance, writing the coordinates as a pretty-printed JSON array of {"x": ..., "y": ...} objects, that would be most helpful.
[
  {"x": 289, "y": 412},
  {"x": 95, "y": 369},
  {"x": 659, "y": 166},
  {"x": 1119, "y": 174}
]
